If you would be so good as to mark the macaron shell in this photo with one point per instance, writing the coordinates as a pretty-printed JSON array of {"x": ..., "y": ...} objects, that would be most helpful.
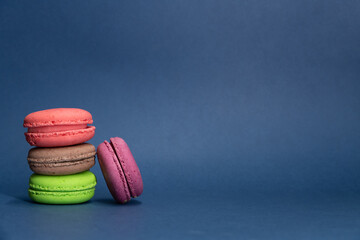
[
  {"x": 61, "y": 197},
  {"x": 58, "y": 139},
  {"x": 113, "y": 173},
  {"x": 129, "y": 166},
  {"x": 58, "y": 116},
  {"x": 68, "y": 153},
  {"x": 68, "y": 189},
  {"x": 62, "y": 160},
  {"x": 74, "y": 182}
]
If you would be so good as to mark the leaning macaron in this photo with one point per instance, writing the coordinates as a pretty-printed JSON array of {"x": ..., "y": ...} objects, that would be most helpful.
[
  {"x": 68, "y": 189},
  {"x": 62, "y": 160},
  {"x": 120, "y": 170},
  {"x": 58, "y": 127}
]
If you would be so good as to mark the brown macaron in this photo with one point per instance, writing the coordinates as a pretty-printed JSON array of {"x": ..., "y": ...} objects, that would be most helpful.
[{"x": 62, "y": 160}]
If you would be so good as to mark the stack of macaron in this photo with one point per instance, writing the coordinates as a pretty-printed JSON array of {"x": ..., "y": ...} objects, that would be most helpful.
[{"x": 61, "y": 160}]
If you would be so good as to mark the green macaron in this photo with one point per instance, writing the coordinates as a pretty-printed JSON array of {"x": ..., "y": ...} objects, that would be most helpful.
[{"x": 66, "y": 189}]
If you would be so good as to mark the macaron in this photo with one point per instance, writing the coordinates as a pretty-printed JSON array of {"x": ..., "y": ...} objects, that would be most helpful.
[
  {"x": 120, "y": 170},
  {"x": 58, "y": 127},
  {"x": 62, "y": 160},
  {"x": 68, "y": 189}
]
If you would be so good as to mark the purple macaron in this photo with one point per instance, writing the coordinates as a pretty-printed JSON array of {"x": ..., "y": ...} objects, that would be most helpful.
[{"x": 120, "y": 170}]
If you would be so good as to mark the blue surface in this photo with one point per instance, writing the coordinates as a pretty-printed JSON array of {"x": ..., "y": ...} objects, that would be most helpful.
[
  {"x": 252, "y": 216},
  {"x": 243, "y": 116}
]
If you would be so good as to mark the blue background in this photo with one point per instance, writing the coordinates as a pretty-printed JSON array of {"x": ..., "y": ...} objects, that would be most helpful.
[{"x": 243, "y": 116}]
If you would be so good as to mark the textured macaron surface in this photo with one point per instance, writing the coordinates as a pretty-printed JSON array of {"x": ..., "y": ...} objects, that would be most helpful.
[
  {"x": 120, "y": 170},
  {"x": 61, "y": 197},
  {"x": 113, "y": 173},
  {"x": 68, "y": 189},
  {"x": 58, "y": 127},
  {"x": 58, "y": 116},
  {"x": 129, "y": 166},
  {"x": 68, "y": 153},
  {"x": 74, "y": 182},
  {"x": 62, "y": 160}
]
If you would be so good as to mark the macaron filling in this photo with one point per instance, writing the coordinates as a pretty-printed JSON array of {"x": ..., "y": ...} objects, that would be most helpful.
[
  {"x": 88, "y": 156},
  {"x": 56, "y": 128},
  {"x": 41, "y": 188}
]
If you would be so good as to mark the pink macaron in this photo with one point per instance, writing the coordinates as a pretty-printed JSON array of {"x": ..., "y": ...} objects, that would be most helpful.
[
  {"x": 120, "y": 170},
  {"x": 58, "y": 127}
]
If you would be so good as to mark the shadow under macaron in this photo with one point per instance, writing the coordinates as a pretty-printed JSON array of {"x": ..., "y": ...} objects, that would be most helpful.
[
  {"x": 109, "y": 201},
  {"x": 21, "y": 200}
]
